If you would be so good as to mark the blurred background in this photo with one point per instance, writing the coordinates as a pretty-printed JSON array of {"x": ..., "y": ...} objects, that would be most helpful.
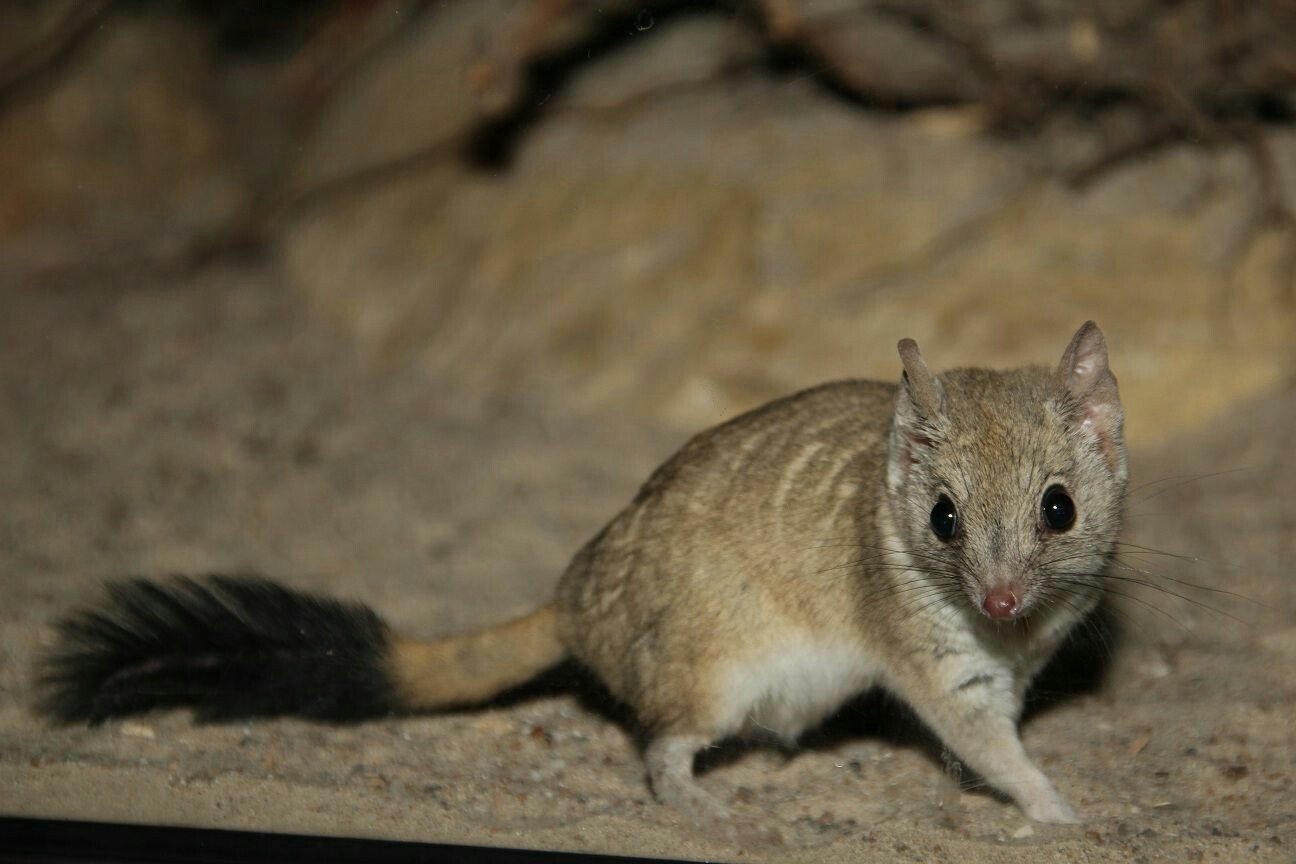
[
  {"x": 401, "y": 300},
  {"x": 680, "y": 209}
]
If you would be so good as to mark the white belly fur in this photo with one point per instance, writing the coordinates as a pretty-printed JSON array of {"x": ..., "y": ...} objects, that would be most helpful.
[{"x": 792, "y": 684}]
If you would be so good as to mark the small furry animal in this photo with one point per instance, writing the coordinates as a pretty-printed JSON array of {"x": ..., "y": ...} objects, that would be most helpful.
[{"x": 938, "y": 539}]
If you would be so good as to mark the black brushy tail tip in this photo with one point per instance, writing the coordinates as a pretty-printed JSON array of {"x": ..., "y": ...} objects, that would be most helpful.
[{"x": 227, "y": 646}]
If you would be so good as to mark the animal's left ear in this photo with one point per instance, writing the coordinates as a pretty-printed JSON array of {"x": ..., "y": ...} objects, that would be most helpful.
[{"x": 1088, "y": 395}]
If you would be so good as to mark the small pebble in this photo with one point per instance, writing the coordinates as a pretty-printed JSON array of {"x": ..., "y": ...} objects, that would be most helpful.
[
  {"x": 1023, "y": 832},
  {"x": 138, "y": 730}
]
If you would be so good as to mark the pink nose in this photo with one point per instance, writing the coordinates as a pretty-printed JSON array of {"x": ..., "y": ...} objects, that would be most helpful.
[{"x": 1000, "y": 604}]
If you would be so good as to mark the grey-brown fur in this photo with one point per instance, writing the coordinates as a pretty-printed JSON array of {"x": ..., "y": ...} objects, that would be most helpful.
[{"x": 801, "y": 530}]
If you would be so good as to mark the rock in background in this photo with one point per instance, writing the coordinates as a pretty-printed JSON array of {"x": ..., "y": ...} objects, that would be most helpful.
[
  {"x": 116, "y": 150},
  {"x": 678, "y": 210},
  {"x": 399, "y": 301},
  {"x": 683, "y": 233}
]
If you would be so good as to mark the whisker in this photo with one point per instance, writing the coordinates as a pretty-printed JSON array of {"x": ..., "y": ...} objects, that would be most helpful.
[
  {"x": 1148, "y": 550},
  {"x": 1124, "y": 615},
  {"x": 940, "y": 597},
  {"x": 883, "y": 549},
  {"x": 885, "y": 565},
  {"x": 1191, "y": 479},
  {"x": 1193, "y": 585},
  {"x": 1155, "y": 587},
  {"x": 1142, "y": 602},
  {"x": 1153, "y": 574}
]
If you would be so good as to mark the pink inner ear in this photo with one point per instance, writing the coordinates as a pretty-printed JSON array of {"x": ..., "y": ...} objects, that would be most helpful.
[
  {"x": 914, "y": 440},
  {"x": 1099, "y": 421},
  {"x": 1086, "y": 371},
  {"x": 909, "y": 442},
  {"x": 1084, "y": 364}
]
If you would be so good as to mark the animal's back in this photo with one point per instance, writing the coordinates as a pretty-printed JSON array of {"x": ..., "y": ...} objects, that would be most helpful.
[{"x": 734, "y": 542}]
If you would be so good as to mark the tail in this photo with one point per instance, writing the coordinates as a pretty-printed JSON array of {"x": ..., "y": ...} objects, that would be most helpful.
[{"x": 239, "y": 646}]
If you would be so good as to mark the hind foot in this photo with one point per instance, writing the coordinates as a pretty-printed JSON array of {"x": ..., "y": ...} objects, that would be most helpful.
[
  {"x": 670, "y": 768},
  {"x": 1050, "y": 809}
]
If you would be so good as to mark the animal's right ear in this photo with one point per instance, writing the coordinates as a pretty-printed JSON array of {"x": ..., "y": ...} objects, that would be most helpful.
[{"x": 920, "y": 402}]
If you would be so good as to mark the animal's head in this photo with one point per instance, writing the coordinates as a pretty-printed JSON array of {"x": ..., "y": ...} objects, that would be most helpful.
[{"x": 1009, "y": 486}]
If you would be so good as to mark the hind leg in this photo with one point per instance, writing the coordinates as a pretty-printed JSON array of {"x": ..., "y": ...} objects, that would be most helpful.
[{"x": 669, "y": 760}]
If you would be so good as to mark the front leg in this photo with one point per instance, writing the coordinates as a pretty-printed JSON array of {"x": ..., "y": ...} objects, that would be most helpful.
[{"x": 973, "y": 707}]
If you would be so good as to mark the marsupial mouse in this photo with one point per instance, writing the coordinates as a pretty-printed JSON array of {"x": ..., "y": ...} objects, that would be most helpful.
[{"x": 937, "y": 538}]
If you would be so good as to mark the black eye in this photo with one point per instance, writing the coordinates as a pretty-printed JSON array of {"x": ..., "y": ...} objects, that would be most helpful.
[
  {"x": 944, "y": 518},
  {"x": 1058, "y": 509}
]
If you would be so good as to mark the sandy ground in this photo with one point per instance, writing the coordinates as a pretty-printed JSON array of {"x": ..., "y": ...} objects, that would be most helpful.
[{"x": 205, "y": 424}]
